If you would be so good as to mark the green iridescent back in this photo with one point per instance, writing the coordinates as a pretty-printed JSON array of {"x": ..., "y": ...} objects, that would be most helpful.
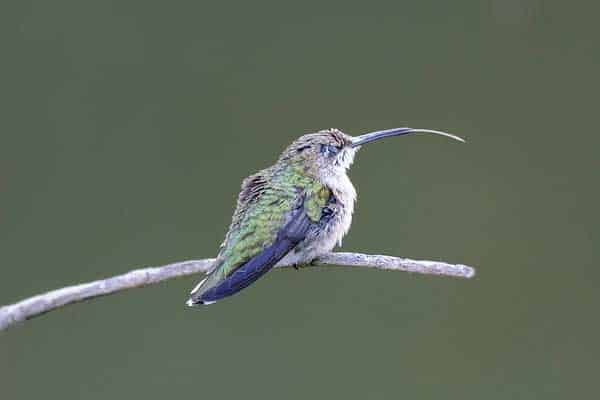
[{"x": 265, "y": 202}]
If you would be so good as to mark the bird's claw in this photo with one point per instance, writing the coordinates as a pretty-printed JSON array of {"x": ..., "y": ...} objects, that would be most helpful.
[{"x": 311, "y": 263}]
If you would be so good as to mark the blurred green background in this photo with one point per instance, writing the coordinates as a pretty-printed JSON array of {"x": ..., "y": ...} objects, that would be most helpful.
[{"x": 127, "y": 127}]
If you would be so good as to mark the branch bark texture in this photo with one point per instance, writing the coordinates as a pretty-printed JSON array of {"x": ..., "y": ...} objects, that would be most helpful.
[{"x": 33, "y": 306}]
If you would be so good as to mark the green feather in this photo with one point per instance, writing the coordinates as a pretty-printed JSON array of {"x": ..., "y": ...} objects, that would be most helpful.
[{"x": 264, "y": 203}]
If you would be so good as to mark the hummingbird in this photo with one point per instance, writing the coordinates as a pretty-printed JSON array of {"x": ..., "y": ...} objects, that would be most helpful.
[{"x": 291, "y": 212}]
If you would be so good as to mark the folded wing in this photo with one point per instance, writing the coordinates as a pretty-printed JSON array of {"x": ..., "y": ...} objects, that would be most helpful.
[
  {"x": 247, "y": 273},
  {"x": 269, "y": 222}
]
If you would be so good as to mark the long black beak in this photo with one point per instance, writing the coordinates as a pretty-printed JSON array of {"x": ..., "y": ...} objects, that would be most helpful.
[{"x": 369, "y": 137}]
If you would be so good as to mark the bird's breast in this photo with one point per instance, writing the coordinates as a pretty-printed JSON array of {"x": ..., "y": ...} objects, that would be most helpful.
[
  {"x": 333, "y": 228},
  {"x": 345, "y": 195}
]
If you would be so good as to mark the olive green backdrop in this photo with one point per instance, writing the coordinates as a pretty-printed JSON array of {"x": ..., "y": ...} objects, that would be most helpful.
[{"x": 127, "y": 127}]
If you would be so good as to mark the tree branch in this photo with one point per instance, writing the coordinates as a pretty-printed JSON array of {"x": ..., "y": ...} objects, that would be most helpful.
[{"x": 43, "y": 303}]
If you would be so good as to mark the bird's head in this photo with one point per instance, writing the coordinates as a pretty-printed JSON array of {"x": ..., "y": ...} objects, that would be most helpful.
[{"x": 331, "y": 151}]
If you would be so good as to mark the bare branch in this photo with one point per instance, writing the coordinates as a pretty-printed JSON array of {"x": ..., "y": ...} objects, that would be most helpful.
[{"x": 43, "y": 303}]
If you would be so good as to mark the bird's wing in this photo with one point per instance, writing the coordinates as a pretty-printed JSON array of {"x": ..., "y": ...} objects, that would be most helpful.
[{"x": 269, "y": 222}]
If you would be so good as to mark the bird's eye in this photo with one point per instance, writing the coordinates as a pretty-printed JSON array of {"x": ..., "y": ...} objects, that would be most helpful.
[{"x": 329, "y": 149}]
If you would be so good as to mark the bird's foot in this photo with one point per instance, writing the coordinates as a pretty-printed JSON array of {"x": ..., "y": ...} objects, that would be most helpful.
[{"x": 311, "y": 263}]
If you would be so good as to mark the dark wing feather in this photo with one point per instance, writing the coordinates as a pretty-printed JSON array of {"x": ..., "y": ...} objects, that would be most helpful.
[{"x": 287, "y": 238}]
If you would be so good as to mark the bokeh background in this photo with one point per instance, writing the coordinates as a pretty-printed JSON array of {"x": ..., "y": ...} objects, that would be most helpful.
[{"x": 127, "y": 127}]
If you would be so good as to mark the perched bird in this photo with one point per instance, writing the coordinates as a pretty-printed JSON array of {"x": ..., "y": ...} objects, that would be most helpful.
[{"x": 291, "y": 212}]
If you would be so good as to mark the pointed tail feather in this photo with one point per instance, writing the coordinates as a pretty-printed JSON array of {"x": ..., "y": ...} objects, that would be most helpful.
[{"x": 195, "y": 296}]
